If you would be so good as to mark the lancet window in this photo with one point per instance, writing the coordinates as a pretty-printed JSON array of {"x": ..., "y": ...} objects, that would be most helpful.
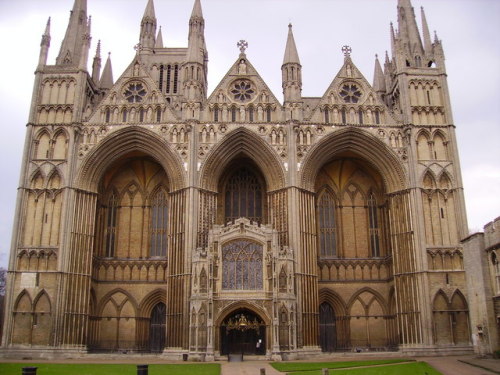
[
  {"x": 111, "y": 225},
  {"x": 242, "y": 265},
  {"x": 243, "y": 196},
  {"x": 374, "y": 226},
  {"x": 327, "y": 226},
  {"x": 159, "y": 221}
]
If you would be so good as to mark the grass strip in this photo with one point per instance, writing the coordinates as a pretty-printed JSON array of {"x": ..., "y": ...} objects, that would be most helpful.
[
  {"x": 308, "y": 366},
  {"x": 111, "y": 369},
  {"x": 413, "y": 368}
]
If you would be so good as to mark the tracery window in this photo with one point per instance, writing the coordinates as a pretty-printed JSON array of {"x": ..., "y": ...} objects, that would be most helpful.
[
  {"x": 243, "y": 196},
  {"x": 350, "y": 93},
  {"x": 242, "y": 265},
  {"x": 159, "y": 224},
  {"x": 111, "y": 225},
  {"x": 327, "y": 226},
  {"x": 135, "y": 92},
  {"x": 374, "y": 228}
]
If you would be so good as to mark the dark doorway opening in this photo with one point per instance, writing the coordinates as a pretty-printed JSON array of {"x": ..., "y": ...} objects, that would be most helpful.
[
  {"x": 327, "y": 328},
  {"x": 157, "y": 328},
  {"x": 243, "y": 332}
]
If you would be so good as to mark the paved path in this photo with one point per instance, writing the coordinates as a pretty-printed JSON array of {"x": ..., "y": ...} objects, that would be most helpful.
[{"x": 448, "y": 365}]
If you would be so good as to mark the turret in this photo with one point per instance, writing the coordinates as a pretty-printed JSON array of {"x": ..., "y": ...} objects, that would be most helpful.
[
  {"x": 159, "y": 40},
  {"x": 148, "y": 28},
  {"x": 85, "y": 46},
  {"x": 378, "y": 78},
  {"x": 194, "y": 69},
  {"x": 44, "y": 45},
  {"x": 408, "y": 34},
  {"x": 71, "y": 46},
  {"x": 107, "y": 75},
  {"x": 96, "y": 66},
  {"x": 291, "y": 71}
]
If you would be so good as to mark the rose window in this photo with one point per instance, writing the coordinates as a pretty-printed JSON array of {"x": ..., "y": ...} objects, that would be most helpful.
[
  {"x": 242, "y": 90},
  {"x": 350, "y": 93},
  {"x": 135, "y": 92}
]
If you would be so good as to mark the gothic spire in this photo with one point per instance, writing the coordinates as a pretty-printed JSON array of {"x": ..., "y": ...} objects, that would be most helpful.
[
  {"x": 196, "y": 43},
  {"x": 148, "y": 27},
  {"x": 425, "y": 32},
  {"x": 107, "y": 75},
  {"x": 291, "y": 55},
  {"x": 197, "y": 10},
  {"x": 291, "y": 72},
  {"x": 378, "y": 77},
  {"x": 159, "y": 40},
  {"x": 408, "y": 29},
  {"x": 44, "y": 45},
  {"x": 71, "y": 50},
  {"x": 96, "y": 66}
]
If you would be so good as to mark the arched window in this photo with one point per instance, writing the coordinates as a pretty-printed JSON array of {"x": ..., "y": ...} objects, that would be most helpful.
[
  {"x": 216, "y": 114},
  {"x": 108, "y": 115},
  {"x": 327, "y": 116},
  {"x": 158, "y": 115},
  {"x": 243, "y": 196},
  {"x": 157, "y": 328},
  {"x": 327, "y": 329},
  {"x": 160, "y": 80},
  {"x": 111, "y": 225},
  {"x": 242, "y": 265},
  {"x": 268, "y": 114},
  {"x": 250, "y": 114},
  {"x": 233, "y": 114},
  {"x": 159, "y": 223},
  {"x": 169, "y": 74},
  {"x": 327, "y": 227},
  {"x": 141, "y": 115},
  {"x": 344, "y": 118},
  {"x": 374, "y": 228}
]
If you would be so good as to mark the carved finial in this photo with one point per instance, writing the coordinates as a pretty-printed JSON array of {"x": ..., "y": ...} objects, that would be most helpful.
[
  {"x": 242, "y": 45},
  {"x": 346, "y": 50}
]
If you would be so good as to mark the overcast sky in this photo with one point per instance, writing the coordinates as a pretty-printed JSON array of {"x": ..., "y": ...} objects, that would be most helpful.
[{"x": 469, "y": 30}]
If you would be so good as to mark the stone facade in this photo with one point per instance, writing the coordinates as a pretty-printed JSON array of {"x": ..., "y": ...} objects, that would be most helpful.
[
  {"x": 153, "y": 217},
  {"x": 483, "y": 283}
]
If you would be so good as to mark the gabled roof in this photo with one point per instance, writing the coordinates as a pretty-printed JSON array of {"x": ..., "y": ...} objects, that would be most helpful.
[
  {"x": 347, "y": 74},
  {"x": 243, "y": 69},
  {"x": 134, "y": 71}
]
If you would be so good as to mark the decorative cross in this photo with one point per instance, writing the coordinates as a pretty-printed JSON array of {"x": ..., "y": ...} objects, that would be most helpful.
[
  {"x": 242, "y": 45},
  {"x": 346, "y": 50}
]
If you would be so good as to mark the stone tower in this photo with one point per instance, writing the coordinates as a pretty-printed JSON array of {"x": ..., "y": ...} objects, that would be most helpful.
[{"x": 153, "y": 216}]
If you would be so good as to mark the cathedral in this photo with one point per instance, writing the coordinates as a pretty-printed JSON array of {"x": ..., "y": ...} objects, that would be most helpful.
[{"x": 156, "y": 217}]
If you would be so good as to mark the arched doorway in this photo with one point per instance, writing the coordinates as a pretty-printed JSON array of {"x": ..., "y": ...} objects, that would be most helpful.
[
  {"x": 157, "y": 328},
  {"x": 243, "y": 332},
  {"x": 327, "y": 328}
]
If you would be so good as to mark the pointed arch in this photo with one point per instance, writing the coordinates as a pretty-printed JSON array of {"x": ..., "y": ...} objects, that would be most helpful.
[
  {"x": 445, "y": 180},
  {"x": 327, "y": 228},
  {"x": 109, "y": 297},
  {"x": 237, "y": 144},
  {"x": 60, "y": 144},
  {"x": 37, "y": 180},
  {"x": 376, "y": 296},
  {"x": 150, "y": 301},
  {"x": 42, "y": 145},
  {"x": 125, "y": 141},
  {"x": 54, "y": 178},
  {"x": 359, "y": 142},
  {"x": 429, "y": 179},
  {"x": 440, "y": 145},
  {"x": 23, "y": 302},
  {"x": 42, "y": 303}
]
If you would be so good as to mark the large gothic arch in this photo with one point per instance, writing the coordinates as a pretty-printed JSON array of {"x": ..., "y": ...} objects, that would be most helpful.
[
  {"x": 123, "y": 142},
  {"x": 242, "y": 143},
  {"x": 361, "y": 143}
]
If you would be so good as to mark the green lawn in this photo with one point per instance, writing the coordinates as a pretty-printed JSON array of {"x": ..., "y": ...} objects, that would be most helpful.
[
  {"x": 108, "y": 369},
  {"x": 413, "y": 368},
  {"x": 308, "y": 366}
]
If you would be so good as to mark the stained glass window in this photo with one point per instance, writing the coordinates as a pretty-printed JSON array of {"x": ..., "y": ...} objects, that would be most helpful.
[
  {"x": 327, "y": 227},
  {"x": 135, "y": 92},
  {"x": 111, "y": 225},
  {"x": 159, "y": 224},
  {"x": 243, "y": 196},
  {"x": 350, "y": 93},
  {"x": 242, "y": 265},
  {"x": 242, "y": 90},
  {"x": 374, "y": 229}
]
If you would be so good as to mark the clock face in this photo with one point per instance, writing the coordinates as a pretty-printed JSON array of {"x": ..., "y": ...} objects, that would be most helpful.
[
  {"x": 134, "y": 92},
  {"x": 350, "y": 92},
  {"x": 242, "y": 90}
]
